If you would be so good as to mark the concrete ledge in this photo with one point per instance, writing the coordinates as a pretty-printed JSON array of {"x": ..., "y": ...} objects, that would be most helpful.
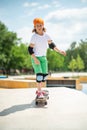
[
  {"x": 30, "y": 82},
  {"x": 83, "y": 79},
  {"x": 61, "y": 82},
  {"x": 18, "y": 84},
  {"x": 64, "y": 82}
]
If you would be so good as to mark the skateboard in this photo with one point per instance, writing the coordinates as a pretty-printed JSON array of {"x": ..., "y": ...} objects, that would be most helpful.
[{"x": 43, "y": 100}]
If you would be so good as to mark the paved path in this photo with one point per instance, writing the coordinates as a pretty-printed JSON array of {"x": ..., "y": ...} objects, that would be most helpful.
[{"x": 66, "y": 110}]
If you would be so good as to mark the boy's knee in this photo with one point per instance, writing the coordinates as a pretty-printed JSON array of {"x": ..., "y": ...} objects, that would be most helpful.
[
  {"x": 44, "y": 77},
  {"x": 39, "y": 77}
]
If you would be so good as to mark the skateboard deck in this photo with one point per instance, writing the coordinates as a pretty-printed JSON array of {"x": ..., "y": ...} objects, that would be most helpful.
[{"x": 42, "y": 101}]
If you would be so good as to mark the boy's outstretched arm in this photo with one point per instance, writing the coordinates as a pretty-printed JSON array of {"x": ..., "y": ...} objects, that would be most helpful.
[
  {"x": 53, "y": 46},
  {"x": 60, "y": 51}
]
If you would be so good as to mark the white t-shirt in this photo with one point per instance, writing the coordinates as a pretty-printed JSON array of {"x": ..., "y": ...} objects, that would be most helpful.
[{"x": 40, "y": 44}]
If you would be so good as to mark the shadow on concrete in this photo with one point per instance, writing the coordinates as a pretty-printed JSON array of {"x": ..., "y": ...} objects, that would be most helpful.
[{"x": 17, "y": 108}]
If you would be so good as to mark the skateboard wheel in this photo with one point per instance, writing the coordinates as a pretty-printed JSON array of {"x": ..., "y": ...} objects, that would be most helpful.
[
  {"x": 36, "y": 103},
  {"x": 45, "y": 103}
]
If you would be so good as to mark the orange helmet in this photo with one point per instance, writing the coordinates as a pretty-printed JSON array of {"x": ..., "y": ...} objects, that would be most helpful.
[{"x": 38, "y": 20}]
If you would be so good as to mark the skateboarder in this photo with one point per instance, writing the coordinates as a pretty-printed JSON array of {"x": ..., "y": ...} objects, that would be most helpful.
[{"x": 37, "y": 48}]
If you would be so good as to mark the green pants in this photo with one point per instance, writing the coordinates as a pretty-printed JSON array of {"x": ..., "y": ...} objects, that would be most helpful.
[{"x": 42, "y": 67}]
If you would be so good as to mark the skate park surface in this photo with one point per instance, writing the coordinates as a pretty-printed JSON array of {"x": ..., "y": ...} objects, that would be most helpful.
[{"x": 66, "y": 110}]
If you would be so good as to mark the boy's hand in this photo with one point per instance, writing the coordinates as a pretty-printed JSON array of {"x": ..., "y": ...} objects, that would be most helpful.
[
  {"x": 63, "y": 53},
  {"x": 36, "y": 61}
]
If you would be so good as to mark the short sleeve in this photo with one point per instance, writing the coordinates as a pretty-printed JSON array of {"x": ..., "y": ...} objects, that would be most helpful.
[
  {"x": 48, "y": 37},
  {"x": 32, "y": 40}
]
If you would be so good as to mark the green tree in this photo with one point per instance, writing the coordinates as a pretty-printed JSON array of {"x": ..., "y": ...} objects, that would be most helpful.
[
  {"x": 16, "y": 58},
  {"x": 73, "y": 45},
  {"x": 83, "y": 52},
  {"x": 55, "y": 60},
  {"x": 7, "y": 41},
  {"x": 74, "y": 50},
  {"x": 72, "y": 65},
  {"x": 80, "y": 63},
  {"x": 71, "y": 52},
  {"x": 20, "y": 58},
  {"x": 27, "y": 58}
]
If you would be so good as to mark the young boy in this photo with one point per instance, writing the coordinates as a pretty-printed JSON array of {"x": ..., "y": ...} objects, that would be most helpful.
[{"x": 37, "y": 49}]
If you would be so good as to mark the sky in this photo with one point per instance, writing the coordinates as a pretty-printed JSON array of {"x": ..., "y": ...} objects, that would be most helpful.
[{"x": 65, "y": 20}]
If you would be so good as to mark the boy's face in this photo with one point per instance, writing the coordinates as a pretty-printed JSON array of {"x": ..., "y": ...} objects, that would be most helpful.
[{"x": 39, "y": 28}]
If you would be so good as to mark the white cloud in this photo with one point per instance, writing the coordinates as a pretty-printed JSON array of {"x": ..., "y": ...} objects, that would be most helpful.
[
  {"x": 30, "y": 4},
  {"x": 46, "y": 6},
  {"x": 39, "y": 6},
  {"x": 67, "y": 14},
  {"x": 56, "y": 3},
  {"x": 84, "y": 1},
  {"x": 67, "y": 25},
  {"x": 53, "y": 4}
]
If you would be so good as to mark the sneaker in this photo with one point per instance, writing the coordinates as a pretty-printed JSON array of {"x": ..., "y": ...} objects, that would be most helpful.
[
  {"x": 45, "y": 93},
  {"x": 40, "y": 94}
]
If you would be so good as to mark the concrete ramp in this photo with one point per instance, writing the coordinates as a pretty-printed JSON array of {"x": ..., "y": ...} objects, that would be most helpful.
[{"x": 66, "y": 110}]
